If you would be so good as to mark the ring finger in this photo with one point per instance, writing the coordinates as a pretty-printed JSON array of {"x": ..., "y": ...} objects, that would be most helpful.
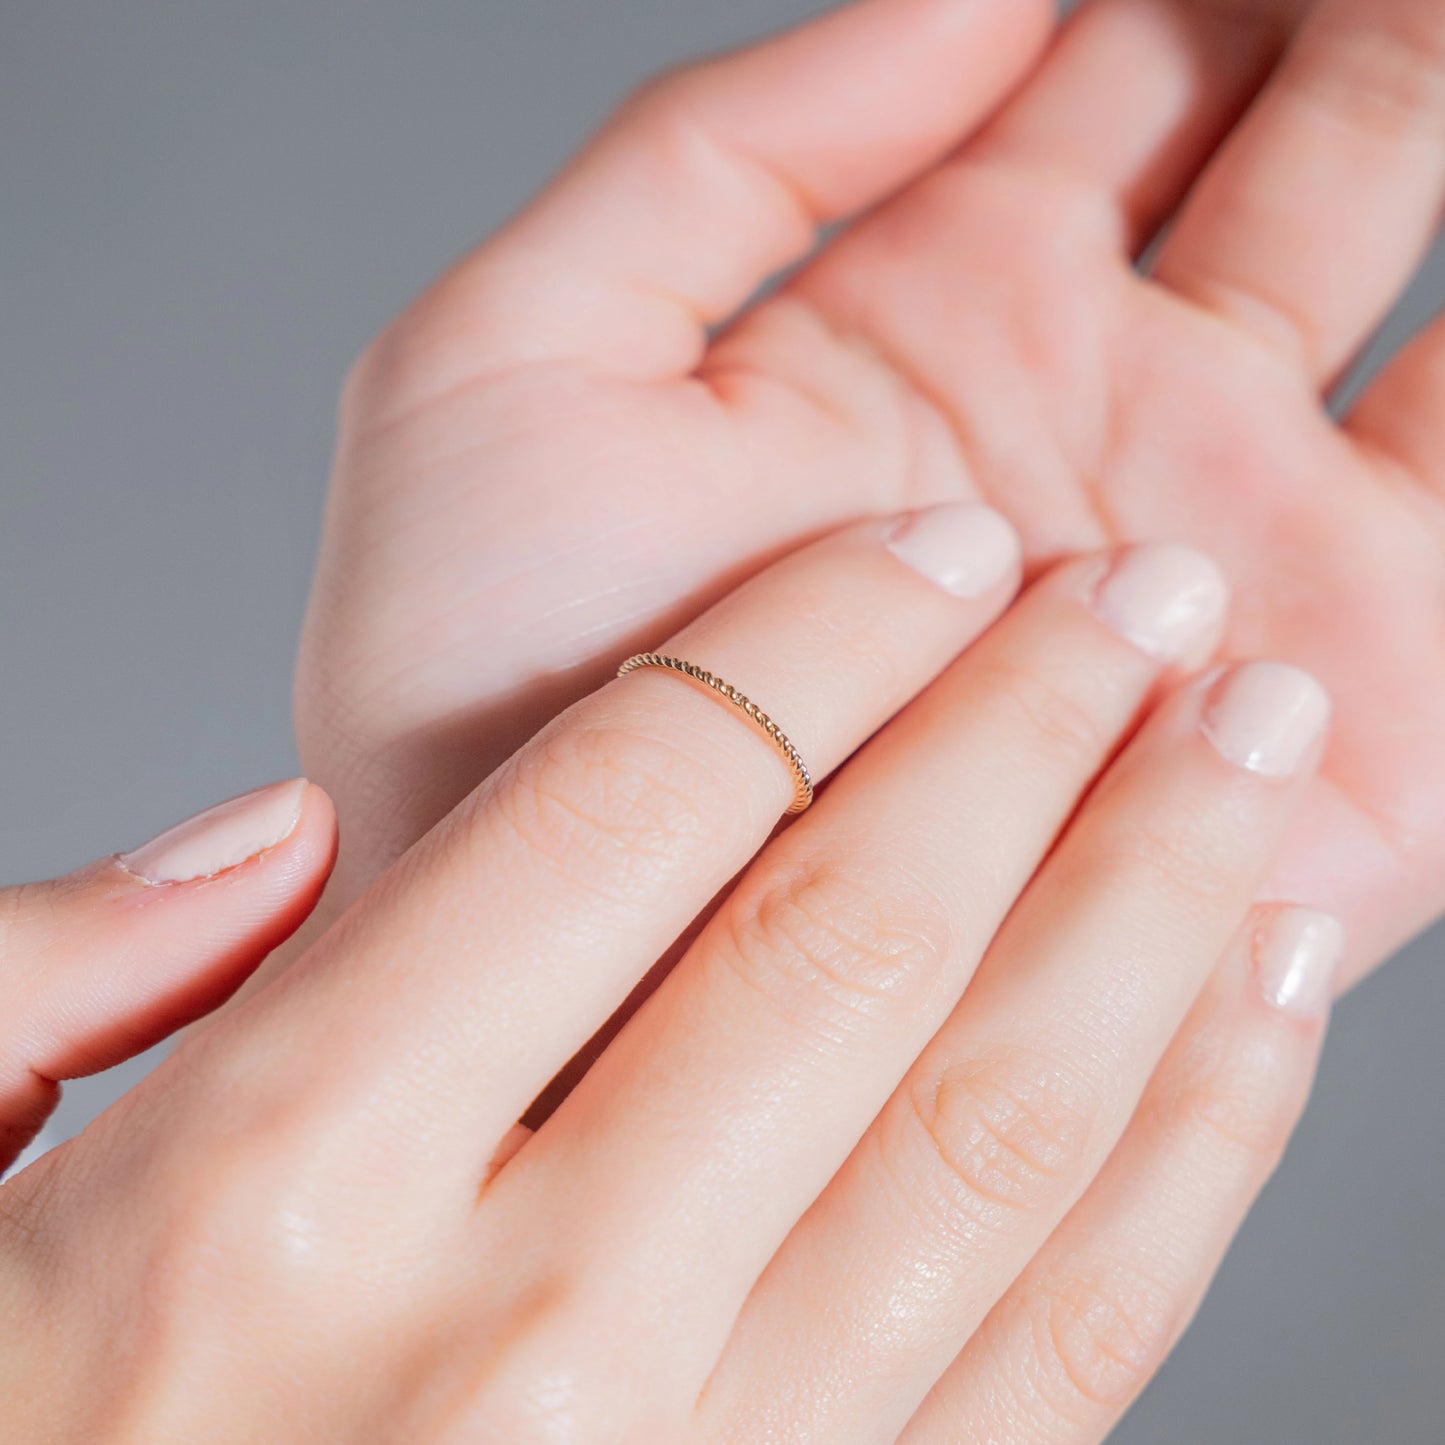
[{"x": 510, "y": 934}]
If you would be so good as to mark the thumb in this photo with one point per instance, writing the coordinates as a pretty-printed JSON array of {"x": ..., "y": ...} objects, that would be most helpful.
[{"x": 101, "y": 964}]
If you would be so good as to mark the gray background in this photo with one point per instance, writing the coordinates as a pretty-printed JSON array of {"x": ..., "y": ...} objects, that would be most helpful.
[{"x": 207, "y": 207}]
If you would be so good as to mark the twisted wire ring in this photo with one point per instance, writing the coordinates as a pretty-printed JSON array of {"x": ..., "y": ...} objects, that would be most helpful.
[{"x": 802, "y": 778}]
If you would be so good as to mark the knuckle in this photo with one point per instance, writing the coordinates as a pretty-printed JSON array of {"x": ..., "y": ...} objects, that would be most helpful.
[
  {"x": 673, "y": 118},
  {"x": 662, "y": 94},
  {"x": 1242, "y": 1097},
  {"x": 1048, "y": 715},
  {"x": 525, "y": 1384},
  {"x": 1236, "y": 1121},
  {"x": 386, "y": 371},
  {"x": 833, "y": 947},
  {"x": 225, "y": 1215},
  {"x": 256, "y": 1212},
  {"x": 673, "y": 102},
  {"x": 662, "y": 117},
  {"x": 583, "y": 796},
  {"x": 1100, "y": 1335},
  {"x": 532, "y": 1367},
  {"x": 436, "y": 347},
  {"x": 1003, "y": 1135},
  {"x": 1180, "y": 857}
]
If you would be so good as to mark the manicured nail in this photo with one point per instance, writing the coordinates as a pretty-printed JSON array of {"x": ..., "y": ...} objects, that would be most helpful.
[
  {"x": 1295, "y": 954},
  {"x": 220, "y": 838},
  {"x": 1168, "y": 601},
  {"x": 962, "y": 547},
  {"x": 1267, "y": 717}
]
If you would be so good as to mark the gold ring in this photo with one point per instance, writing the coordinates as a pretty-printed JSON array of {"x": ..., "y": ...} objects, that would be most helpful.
[{"x": 802, "y": 778}]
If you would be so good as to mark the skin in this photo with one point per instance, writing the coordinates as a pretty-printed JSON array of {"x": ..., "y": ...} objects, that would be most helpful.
[
  {"x": 966, "y": 1024},
  {"x": 99, "y": 967},
  {"x": 544, "y": 465},
  {"x": 959, "y": 1084}
]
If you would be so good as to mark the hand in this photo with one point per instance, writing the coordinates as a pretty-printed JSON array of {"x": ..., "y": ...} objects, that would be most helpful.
[
  {"x": 808, "y": 1193},
  {"x": 103, "y": 963},
  {"x": 544, "y": 464}
]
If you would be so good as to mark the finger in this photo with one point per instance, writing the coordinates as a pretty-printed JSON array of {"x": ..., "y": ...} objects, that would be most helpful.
[
  {"x": 1134, "y": 97},
  {"x": 498, "y": 946},
  {"x": 1014, "y": 1105},
  {"x": 740, "y": 1089},
  {"x": 1086, "y": 1327},
  {"x": 98, "y": 966},
  {"x": 1398, "y": 418},
  {"x": 713, "y": 179},
  {"x": 1313, "y": 216}
]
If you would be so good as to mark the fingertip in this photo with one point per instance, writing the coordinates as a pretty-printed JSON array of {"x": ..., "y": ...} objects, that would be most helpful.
[
  {"x": 221, "y": 838},
  {"x": 254, "y": 883},
  {"x": 310, "y": 848},
  {"x": 1171, "y": 602},
  {"x": 969, "y": 550},
  {"x": 1295, "y": 956},
  {"x": 144, "y": 942}
]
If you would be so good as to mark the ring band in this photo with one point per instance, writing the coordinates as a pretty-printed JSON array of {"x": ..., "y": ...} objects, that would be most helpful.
[{"x": 802, "y": 778}]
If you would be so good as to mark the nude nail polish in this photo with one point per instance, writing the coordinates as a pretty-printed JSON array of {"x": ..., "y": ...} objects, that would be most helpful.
[
  {"x": 1169, "y": 601},
  {"x": 220, "y": 838},
  {"x": 1295, "y": 955},
  {"x": 1267, "y": 717},
  {"x": 962, "y": 547}
]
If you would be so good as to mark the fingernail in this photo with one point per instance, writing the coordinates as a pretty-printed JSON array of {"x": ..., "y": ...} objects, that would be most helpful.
[
  {"x": 220, "y": 838},
  {"x": 1267, "y": 717},
  {"x": 1169, "y": 601},
  {"x": 1295, "y": 955},
  {"x": 962, "y": 547}
]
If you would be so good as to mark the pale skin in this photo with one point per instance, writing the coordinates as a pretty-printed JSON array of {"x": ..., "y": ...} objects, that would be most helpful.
[
  {"x": 935, "y": 1130},
  {"x": 958, "y": 1086},
  {"x": 543, "y": 465}
]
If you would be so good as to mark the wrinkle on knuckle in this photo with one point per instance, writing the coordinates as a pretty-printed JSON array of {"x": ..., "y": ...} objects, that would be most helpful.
[
  {"x": 589, "y": 799},
  {"x": 1243, "y": 1102},
  {"x": 1007, "y": 1135},
  {"x": 1178, "y": 859},
  {"x": 834, "y": 947},
  {"x": 673, "y": 116},
  {"x": 1100, "y": 1335},
  {"x": 1054, "y": 720}
]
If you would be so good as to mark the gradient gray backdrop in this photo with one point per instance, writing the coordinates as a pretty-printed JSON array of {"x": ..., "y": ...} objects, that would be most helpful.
[{"x": 205, "y": 208}]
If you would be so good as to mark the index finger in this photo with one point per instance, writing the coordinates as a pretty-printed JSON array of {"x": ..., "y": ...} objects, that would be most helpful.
[{"x": 494, "y": 950}]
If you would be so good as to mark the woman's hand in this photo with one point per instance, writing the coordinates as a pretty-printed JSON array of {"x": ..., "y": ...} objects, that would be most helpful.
[
  {"x": 98, "y": 966},
  {"x": 544, "y": 464},
  {"x": 871, "y": 1159}
]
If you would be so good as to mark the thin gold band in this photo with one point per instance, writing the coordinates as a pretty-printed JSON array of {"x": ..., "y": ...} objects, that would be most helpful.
[{"x": 802, "y": 778}]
